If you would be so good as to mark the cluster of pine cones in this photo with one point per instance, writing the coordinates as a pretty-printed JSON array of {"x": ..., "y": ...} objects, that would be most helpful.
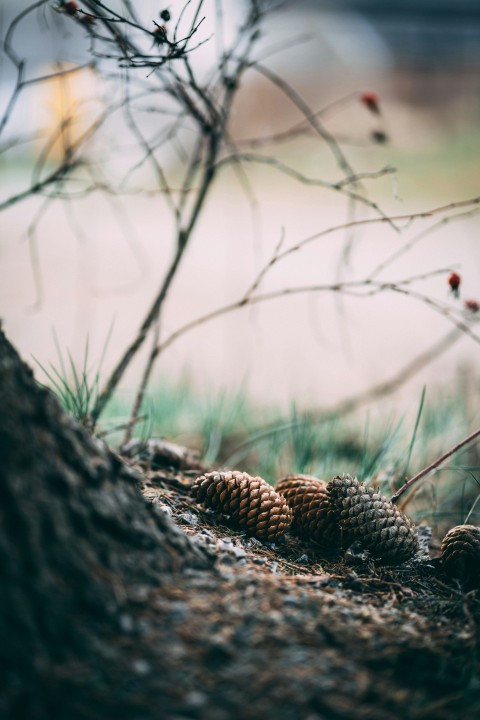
[{"x": 334, "y": 515}]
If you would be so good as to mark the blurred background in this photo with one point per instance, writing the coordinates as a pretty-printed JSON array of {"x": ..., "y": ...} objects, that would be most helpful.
[{"x": 84, "y": 271}]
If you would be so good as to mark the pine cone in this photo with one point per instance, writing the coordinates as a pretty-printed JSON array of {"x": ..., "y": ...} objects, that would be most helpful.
[
  {"x": 313, "y": 517},
  {"x": 252, "y": 504},
  {"x": 461, "y": 554},
  {"x": 374, "y": 521}
]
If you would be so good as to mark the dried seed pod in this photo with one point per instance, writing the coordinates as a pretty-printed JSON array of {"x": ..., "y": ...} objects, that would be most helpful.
[
  {"x": 252, "y": 504},
  {"x": 369, "y": 517},
  {"x": 461, "y": 554},
  {"x": 313, "y": 517}
]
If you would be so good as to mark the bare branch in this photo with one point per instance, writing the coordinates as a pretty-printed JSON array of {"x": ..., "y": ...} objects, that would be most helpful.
[
  {"x": 421, "y": 236},
  {"x": 212, "y": 137},
  {"x": 436, "y": 463},
  {"x": 310, "y": 116},
  {"x": 142, "y": 388},
  {"x": 409, "y": 218},
  {"x": 299, "y": 129},
  {"x": 339, "y": 187},
  {"x": 38, "y": 187}
]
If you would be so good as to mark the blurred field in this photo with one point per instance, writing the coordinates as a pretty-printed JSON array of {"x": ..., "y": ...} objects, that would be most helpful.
[
  {"x": 93, "y": 264},
  {"x": 315, "y": 349}
]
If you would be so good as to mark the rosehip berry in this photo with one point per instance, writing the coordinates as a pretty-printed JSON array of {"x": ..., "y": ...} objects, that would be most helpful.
[
  {"x": 454, "y": 281},
  {"x": 371, "y": 101},
  {"x": 70, "y": 7},
  {"x": 472, "y": 306}
]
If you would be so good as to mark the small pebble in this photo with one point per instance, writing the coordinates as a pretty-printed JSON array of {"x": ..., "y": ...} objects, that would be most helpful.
[
  {"x": 165, "y": 509},
  {"x": 207, "y": 534},
  {"x": 195, "y": 699},
  {"x": 141, "y": 667},
  {"x": 126, "y": 623},
  {"x": 238, "y": 552},
  {"x": 188, "y": 519},
  {"x": 139, "y": 593},
  {"x": 254, "y": 543}
]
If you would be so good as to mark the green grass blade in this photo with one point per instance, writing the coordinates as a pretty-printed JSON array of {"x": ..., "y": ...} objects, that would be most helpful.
[{"x": 415, "y": 430}]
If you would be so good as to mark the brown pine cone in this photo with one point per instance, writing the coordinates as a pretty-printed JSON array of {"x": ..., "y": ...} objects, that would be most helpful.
[
  {"x": 374, "y": 521},
  {"x": 252, "y": 504},
  {"x": 461, "y": 554},
  {"x": 313, "y": 517}
]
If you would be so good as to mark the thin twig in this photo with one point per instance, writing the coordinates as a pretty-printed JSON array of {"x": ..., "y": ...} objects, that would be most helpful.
[
  {"x": 137, "y": 405},
  {"x": 434, "y": 465},
  {"x": 300, "y": 128},
  {"x": 340, "y": 187},
  {"x": 354, "y": 288},
  {"x": 309, "y": 115},
  {"x": 407, "y": 217}
]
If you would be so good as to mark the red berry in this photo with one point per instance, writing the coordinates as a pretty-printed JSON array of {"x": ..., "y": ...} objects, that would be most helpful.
[
  {"x": 454, "y": 280},
  {"x": 371, "y": 101},
  {"x": 70, "y": 7},
  {"x": 472, "y": 305}
]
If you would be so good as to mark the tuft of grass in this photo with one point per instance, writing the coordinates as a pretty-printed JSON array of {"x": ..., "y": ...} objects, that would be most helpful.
[
  {"x": 76, "y": 388},
  {"x": 324, "y": 447},
  {"x": 223, "y": 417}
]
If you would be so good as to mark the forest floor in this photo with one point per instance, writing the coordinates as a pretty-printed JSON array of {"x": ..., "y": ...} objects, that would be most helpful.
[{"x": 279, "y": 630}]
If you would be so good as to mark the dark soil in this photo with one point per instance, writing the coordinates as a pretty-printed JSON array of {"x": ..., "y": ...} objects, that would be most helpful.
[{"x": 282, "y": 631}]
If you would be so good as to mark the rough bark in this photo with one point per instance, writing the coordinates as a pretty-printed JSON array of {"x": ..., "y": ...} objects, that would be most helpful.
[{"x": 77, "y": 542}]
